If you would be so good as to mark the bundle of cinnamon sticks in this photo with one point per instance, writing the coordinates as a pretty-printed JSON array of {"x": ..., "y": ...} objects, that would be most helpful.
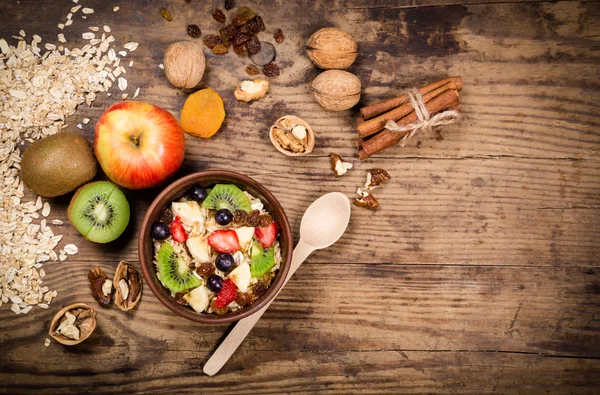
[{"x": 438, "y": 97}]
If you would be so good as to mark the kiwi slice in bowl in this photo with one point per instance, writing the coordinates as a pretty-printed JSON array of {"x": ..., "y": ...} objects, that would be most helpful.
[
  {"x": 99, "y": 211},
  {"x": 173, "y": 272},
  {"x": 262, "y": 260},
  {"x": 227, "y": 196}
]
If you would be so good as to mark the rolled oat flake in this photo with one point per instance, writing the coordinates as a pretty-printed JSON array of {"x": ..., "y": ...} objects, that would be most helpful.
[{"x": 266, "y": 54}]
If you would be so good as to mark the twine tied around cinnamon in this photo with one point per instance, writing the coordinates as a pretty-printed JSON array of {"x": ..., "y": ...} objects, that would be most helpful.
[{"x": 426, "y": 122}]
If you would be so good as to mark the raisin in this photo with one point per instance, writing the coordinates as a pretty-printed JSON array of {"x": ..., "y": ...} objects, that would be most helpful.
[
  {"x": 279, "y": 37},
  {"x": 267, "y": 278},
  {"x": 240, "y": 216},
  {"x": 260, "y": 23},
  {"x": 265, "y": 220},
  {"x": 253, "y": 218},
  {"x": 253, "y": 45},
  {"x": 251, "y": 69},
  {"x": 218, "y": 310},
  {"x": 166, "y": 14},
  {"x": 245, "y": 29},
  {"x": 218, "y": 15},
  {"x": 240, "y": 299},
  {"x": 229, "y": 4},
  {"x": 179, "y": 298},
  {"x": 205, "y": 270},
  {"x": 240, "y": 50},
  {"x": 259, "y": 289},
  {"x": 240, "y": 39},
  {"x": 166, "y": 216},
  {"x": 211, "y": 40},
  {"x": 219, "y": 49},
  {"x": 251, "y": 26},
  {"x": 194, "y": 31},
  {"x": 244, "y": 14},
  {"x": 192, "y": 265},
  {"x": 224, "y": 38},
  {"x": 230, "y": 31},
  {"x": 271, "y": 70}
]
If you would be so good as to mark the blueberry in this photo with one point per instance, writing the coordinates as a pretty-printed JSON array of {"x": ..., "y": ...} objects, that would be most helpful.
[
  {"x": 214, "y": 283},
  {"x": 160, "y": 231},
  {"x": 196, "y": 193},
  {"x": 223, "y": 217},
  {"x": 224, "y": 261}
]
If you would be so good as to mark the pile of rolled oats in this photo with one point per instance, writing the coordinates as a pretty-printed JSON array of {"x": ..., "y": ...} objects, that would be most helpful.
[{"x": 38, "y": 91}]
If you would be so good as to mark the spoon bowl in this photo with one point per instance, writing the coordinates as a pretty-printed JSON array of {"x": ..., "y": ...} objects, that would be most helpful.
[{"x": 325, "y": 220}]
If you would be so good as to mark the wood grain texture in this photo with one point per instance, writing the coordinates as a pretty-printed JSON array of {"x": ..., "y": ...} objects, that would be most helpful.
[{"x": 478, "y": 274}]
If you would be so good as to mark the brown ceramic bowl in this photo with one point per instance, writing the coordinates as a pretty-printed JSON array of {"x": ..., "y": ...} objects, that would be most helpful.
[{"x": 174, "y": 192}]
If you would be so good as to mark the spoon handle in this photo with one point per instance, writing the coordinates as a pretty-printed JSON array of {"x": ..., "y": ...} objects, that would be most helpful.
[{"x": 245, "y": 325}]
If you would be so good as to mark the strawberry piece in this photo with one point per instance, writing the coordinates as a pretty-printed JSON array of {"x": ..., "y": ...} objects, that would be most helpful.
[
  {"x": 227, "y": 294},
  {"x": 177, "y": 231},
  {"x": 224, "y": 241},
  {"x": 267, "y": 235}
]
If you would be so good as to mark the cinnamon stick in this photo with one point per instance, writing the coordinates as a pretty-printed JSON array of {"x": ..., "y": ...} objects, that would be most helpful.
[
  {"x": 377, "y": 124},
  {"x": 448, "y": 100},
  {"x": 376, "y": 109}
]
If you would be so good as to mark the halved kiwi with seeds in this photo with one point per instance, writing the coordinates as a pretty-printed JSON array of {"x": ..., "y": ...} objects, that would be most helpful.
[
  {"x": 227, "y": 196},
  {"x": 173, "y": 272},
  {"x": 99, "y": 211}
]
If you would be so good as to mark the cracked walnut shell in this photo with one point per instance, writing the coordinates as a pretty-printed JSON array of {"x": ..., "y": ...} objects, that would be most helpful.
[
  {"x": 128, "y": 286},
  {"x": 100, "y": 286},
  {"x": 292, "y": 136},
  {"x": 73, "y": 324}
]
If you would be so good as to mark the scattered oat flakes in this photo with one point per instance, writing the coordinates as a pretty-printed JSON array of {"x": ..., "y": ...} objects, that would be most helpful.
[
  {"x": 86, "y": 121},
  {"x": 84, "y": 17},
  {"x": 161, "y": 66},
  {"x": 61, "y": 38},
  {"x": 50, "y": 47},
  {"x": 116, "y": 9},
  {"x": 131, "y": 46},
  {"x": 123, "y": 53},
  {"x": 57, "y": 222},
  {"x": 61, "y": 26},
  {"x": 69, "y": 22},
  {"x": 131, "y": 63},
  {"x": 88, "y": 35},
  {"x": 75, "y": 8},
  {"x": 22, "y": 33},
  {"x": 46, "y": 210},
  {"x": 37, "y": 38},
  {"x": 124, "y": 96},
  {"x": 122, "y": 83},
  {"x": 3, "y": 46},
  {"x": 80, "y": 126},
  {"x": 94, "y": 28},
  {"x": 87, "y": 11},
  {"x": 69, "y": 15},
  {"x": 71, "y": 249},
  {"x": 47, "y": 342},
  {"x": 137, "y": 92}
]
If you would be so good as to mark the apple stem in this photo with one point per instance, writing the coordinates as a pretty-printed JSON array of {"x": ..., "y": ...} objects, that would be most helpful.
[{"x": 134, "y": 139}]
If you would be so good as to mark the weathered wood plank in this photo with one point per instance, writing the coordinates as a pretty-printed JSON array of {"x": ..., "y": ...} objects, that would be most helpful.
[
  {"x": 350, "y": 323},
  {"x": 508, "y": 211}
]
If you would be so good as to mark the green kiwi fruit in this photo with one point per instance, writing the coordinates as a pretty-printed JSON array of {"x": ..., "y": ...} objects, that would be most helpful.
[
  {"x": 173, "y": 272},
  {"x": 261, "y": 261},
  {"x": 227, "y": 196},
  {"x": 58, "y": 164},
  {"x": 99, "y": 211}
]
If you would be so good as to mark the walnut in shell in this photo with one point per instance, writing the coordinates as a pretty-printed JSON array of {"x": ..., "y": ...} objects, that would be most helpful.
[
  {"x": 331, "y": 48},
  {"x": 336, "y": 90},
  {"x": 292, "y": 136},
  {"x": 184, "y": 64},
  {"x": 73, "y": 324},
  {"x": 128, "y": 286}
]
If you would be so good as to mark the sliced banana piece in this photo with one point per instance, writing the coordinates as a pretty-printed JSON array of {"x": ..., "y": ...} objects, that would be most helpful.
[
  {"x": 189, "y": 212},
  {"x": 198, "y": 298},
  {"x": 245, "y": 235},
  {"x": 199, "y": 248},
  {"x": 241, "y": 276}
]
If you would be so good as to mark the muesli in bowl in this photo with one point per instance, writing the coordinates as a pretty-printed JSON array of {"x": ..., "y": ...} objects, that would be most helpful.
[{"x": 216, "y": 249}]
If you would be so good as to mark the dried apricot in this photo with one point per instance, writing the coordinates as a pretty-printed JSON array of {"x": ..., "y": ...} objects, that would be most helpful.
[{"x": 203, "y": 113}]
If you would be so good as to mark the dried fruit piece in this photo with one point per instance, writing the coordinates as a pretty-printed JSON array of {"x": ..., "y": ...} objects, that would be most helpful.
[
  {"x": 251, "y": 69},
  {"x": 265, "y": 220},
  {"x": 278, "y": 36},
  {"x": 253, "y": 218},
  {"x": 203, "y": 113},
  {"x": 97, "y": 278},
  {"x": 230, "y": 31},
  {"x": 244, "y": 14},
  {"x": 205, "y": 270},
  {"x": 220, "y": 49},
  {"x": 253, "y": 45},
  {"x": 240, "y": 217},
  {"x": 375, "y": 177},
  {"x": 166, "y": 14},
  {"x": 259, "y": 289},
  {"x": 241, "y": 38},
  {"x": 166, "y": 216},
  {"x": 218, "y": 310},
  {"x": 218, "y": 15},
  {"x": 194, "y": 31},
  {"x": 265, "y": 55},
  {"x": 229, "y": 4},
  {"x": 260, "y": 23},
  {"x": 224, "y": 38},
  {"x": 244, "y": 299},
  {"x": 240, "y": 50},
  {"x": 366, "y": 200},
  {"x": 211, "y": 40},
  {"x": 271, "y": 70},
  {"x": 338, "y": 165}
]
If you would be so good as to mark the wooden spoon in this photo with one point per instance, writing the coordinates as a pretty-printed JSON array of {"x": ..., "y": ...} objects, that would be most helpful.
[{"x": 323, "y": 223}]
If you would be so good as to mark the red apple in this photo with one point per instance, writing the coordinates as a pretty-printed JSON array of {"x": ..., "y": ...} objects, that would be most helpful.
[{"x": 138, "y": 145}]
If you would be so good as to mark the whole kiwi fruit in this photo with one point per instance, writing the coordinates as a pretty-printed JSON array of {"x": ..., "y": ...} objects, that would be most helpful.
[{"x": 58, "y": 164}]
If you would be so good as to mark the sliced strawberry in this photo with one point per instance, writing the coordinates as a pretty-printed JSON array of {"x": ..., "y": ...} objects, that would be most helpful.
[
  {"x": 266, "y": 235},
  {"x": 177, "y": 231},
  {"x": 227, "y": 294},
  {"x": 224, "y": 241}
]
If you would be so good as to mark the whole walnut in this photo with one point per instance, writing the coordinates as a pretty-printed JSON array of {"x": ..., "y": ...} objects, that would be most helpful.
[
  {"x": 336, "y": 90},
  {"x": 184, "y": 64},
  {"x": 331, "y": 48}
]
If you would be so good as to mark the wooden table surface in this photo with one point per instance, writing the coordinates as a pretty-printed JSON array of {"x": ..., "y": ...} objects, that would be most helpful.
[{"x": 480, "y": 271}]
